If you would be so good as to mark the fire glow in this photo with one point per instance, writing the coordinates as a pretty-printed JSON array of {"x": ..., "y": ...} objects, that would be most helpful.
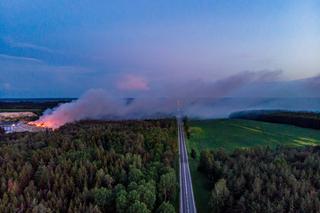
[{"x": 42, "y": 124}]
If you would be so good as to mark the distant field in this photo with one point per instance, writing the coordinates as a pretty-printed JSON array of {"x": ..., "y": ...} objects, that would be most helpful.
[
  {"x": 37, "y": 106},
  {"x": 38, "y": 111},
  {"x": 232, "y": 134}
]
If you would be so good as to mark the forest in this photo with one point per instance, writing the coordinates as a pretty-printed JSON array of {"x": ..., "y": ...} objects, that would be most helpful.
[
  {"x": 263, "y": 179},
  {"x": 301, "y": 119},
  {"x": 91, "y": 166}
]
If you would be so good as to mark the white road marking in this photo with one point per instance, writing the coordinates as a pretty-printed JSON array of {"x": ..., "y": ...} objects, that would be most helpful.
[{"x": 186, "y": 189}]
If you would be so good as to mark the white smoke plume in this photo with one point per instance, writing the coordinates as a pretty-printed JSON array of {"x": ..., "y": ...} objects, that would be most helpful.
[
  {"x": 97, "y": 104},
  {"x": 197, "y": 99}
]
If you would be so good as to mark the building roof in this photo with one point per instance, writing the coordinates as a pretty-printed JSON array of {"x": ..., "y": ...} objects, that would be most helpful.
[{"x": 7, "y": 123}]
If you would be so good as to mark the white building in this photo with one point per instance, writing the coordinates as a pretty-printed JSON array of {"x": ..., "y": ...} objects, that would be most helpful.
[{"x": 8, "y": 126}]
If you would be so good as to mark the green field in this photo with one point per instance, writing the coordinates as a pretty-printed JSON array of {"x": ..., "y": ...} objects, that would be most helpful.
[{"x": 232, "y": 134}]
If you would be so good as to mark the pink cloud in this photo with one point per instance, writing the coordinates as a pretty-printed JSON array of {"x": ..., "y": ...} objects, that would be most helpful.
[{"x": 132, "y": 82}]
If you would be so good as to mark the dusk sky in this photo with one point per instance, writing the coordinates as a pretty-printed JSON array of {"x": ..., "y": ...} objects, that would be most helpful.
[{"x": 61, "y": 48}]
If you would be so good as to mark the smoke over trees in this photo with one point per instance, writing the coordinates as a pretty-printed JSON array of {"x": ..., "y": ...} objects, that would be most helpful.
[{"x": 98, "y": 104}]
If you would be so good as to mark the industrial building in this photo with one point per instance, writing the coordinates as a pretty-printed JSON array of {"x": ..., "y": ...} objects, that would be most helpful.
[{"x": 10, "y": 127}]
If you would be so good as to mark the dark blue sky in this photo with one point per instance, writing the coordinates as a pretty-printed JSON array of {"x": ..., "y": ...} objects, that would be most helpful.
[{"x": 61, "y": 48}]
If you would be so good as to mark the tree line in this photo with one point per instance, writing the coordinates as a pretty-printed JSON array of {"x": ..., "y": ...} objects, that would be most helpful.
[
  {"x": 263, "y": 180},
  {"x": 301, "y": 119},
  {"x": 91, "y": 166},
  {"x": 37, "y": 106}
]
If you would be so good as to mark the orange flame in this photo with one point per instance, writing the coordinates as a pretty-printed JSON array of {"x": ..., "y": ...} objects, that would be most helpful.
[{"x": 41, "y": 124}]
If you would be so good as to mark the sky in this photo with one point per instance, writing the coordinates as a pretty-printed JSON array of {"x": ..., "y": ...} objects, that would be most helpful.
[{"x": 62, "y": 48}]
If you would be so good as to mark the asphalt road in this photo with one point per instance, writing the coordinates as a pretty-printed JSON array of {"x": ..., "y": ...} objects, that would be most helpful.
[{"x": 187, "y": 204}]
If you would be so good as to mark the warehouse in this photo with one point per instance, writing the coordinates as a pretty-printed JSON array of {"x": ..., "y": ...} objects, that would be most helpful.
[{"x": 8, "y": 127}]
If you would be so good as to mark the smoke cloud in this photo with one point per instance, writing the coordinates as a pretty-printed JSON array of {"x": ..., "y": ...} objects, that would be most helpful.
[
  {"x": 131, "y": 82},
  {"x": 198, "y": 99},
  {"x": 97, "y": 104},
  {"x": 222, "y": 87}
]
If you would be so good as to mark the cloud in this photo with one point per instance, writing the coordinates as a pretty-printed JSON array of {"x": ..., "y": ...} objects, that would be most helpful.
[
  {"x": 35, "y": 78},
  {"x": 19, "y": 58},
  {"x": 17, "y": 44},
  {"x": 7, "y": 86},
  {"x": 313, "y": 83},
  {"x": 133, "y": 83},
  {"x": 266, "y": 75},
  {"x": 221, "y": 87}
]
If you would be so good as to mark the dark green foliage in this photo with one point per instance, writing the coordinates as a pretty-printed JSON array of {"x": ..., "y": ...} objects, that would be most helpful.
[
  {"x": 186, "y": 126},
  {"x": 264, "y": 180},
  {"x": 90, "y": 166},
  {"x": 103, "y": 197},
  {"x": 193, "y": 154},
  {"x": 168, "y": 186},
  {"x": 166, "y": 207},
  {"x": 138, "y": 207},
  {"x": 302, "y": 119},
  {"x": 2, "y": 133},
  {"x": 219, "y": 195}
]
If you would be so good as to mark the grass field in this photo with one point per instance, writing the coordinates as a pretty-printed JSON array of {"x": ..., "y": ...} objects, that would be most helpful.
[{"x": 232, "y": 134}]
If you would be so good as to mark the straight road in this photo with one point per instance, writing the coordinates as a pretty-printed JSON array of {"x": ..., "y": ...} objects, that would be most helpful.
[{"x": 187, "y": 204}]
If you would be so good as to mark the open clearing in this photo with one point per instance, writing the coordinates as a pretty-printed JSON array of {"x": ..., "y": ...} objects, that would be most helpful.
[{"x": 232, "y": 134}]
